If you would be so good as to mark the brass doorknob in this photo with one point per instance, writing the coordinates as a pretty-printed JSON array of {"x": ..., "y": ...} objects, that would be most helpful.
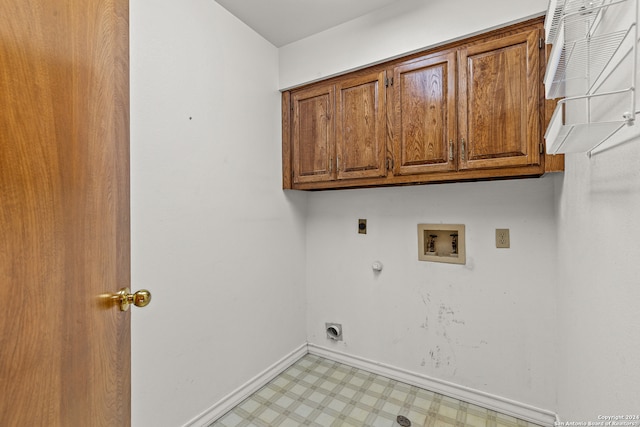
[{"x": 125, "y": 298}]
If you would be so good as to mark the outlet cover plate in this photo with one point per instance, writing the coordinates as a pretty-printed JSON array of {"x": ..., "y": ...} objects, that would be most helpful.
[{"x": 502, "y": 238}]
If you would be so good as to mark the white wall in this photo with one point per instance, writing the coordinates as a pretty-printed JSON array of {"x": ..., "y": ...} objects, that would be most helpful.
[
  {"x": 488, "y": 325},
  {"x": 599, "y": 292},
  {"x": 406, "y": 26},
  {"x": 214, "y": 237}
]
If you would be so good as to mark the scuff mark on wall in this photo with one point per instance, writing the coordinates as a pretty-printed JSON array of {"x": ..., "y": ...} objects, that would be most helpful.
[
  {"x": 446, "y": 316},
  {"x": 439, "y": 358},
  {"x": 443, "y": 355},
  {"x": 436, "y": 357},
  {"x": 425, "y": 325},
  {"x": 426, "y": 298}
]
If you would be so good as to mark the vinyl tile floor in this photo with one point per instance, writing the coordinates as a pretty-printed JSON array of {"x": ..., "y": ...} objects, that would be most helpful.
[{"x": 319, "y": 392}]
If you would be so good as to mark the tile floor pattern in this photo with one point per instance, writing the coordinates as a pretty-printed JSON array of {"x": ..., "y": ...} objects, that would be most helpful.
[{"x": 322, "y": 393}]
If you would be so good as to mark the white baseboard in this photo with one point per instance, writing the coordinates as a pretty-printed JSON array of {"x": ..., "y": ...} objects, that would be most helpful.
[
  {"x": 476, "y": 397},
  {"x": 247, "y": 389}
]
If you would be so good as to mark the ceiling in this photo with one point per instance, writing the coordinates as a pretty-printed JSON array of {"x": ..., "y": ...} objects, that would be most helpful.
[{"x": 285, "y": 21}]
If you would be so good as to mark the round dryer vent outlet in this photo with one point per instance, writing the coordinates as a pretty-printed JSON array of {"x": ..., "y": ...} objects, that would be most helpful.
[{"x": 334, "y": 331}]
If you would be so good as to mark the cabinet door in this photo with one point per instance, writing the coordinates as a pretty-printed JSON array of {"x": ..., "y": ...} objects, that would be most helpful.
[
  {"x": 499, "y": 114},
  {"x": 313, "y": 134},
  {"x": 361, "y": 136},
  {"x": 424, "y": 104}
]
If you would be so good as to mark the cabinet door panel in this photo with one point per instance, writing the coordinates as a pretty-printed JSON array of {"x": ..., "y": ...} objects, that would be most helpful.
[
  {"x": 313, "y": 134},
  {"x": 424, "y": 115},
  {"x": 499, "y": 102},
  {"x": 361, "y": 137}
]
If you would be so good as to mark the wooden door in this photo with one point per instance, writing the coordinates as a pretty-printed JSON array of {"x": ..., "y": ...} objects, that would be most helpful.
[
  {"x": 313, "y": 135},
  {"x": 424, "y": 111},
  {"x": 64, "y": 212},
  {"x": 360, "y": 127},
  {"x": 499, "y": 118}
]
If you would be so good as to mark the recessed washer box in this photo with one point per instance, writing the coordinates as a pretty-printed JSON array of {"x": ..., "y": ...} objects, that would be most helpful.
[{"x": 441, "y": 243}]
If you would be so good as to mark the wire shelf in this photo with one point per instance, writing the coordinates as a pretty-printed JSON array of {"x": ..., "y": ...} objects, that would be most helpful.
[
  {"x": 580, "y": 137},
  {"x": 576, "y": 15},
  {"x": 589, "y": 68},
  {"x": 574, "y": 66}
]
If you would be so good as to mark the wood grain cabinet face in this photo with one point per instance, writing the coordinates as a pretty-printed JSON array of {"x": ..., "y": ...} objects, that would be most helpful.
[
  {"x": 470, "y": 110},
  {"x": 499, "y": 109},
  {"x": 424, "y": 109},
  {"x": 360, "y": 133},
  {"x": 339, "y": 130},
  {"x": 313, "y": 134}
]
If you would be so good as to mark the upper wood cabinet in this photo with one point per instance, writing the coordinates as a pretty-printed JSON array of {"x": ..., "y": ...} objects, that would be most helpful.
[
  {"x": 313, "y": 134},
  {"x": 360, "y": 127},
  {"x": 338, "y": 130},
  {"x": 499, "y": 107},
  {"x": 424, "y": 115},
  {"x": 470, "y": 110}
]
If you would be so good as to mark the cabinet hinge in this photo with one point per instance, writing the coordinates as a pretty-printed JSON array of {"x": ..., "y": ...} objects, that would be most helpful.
[
  {"x": 388, "y": 82},
  {"x": 541, "y": 148},
  {"x": 389, "y": 163},
  {"x": 541, "y": 43}
]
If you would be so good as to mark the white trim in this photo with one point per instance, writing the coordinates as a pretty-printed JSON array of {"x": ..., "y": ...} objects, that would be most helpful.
[
  {"x": 254, "y": 384},
  {"x": 466, "y": 394}
]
